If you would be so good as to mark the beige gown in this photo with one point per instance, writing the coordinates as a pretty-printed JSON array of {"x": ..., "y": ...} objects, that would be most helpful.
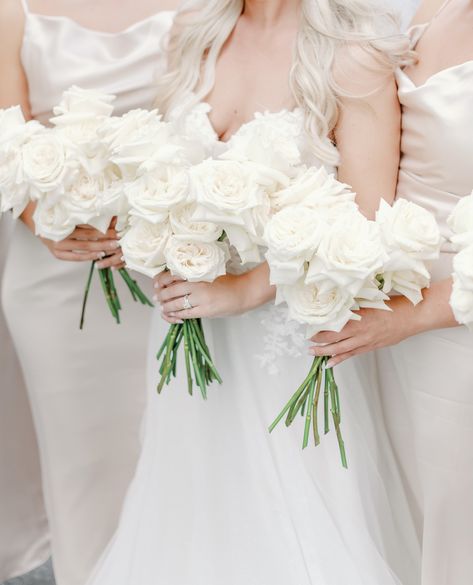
[
  {"x": 427, "y": 380},
  {"x": 86, "y": 389}
]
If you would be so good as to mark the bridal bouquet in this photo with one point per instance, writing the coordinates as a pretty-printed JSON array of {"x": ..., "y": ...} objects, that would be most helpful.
[
  {"x": 69, "y": 171},
  {"x": 163, "y": 234},
  {"x": 15, "y": 137},
  {"x": 327, "y": 261},
  {"x": 461, "y": 223}
]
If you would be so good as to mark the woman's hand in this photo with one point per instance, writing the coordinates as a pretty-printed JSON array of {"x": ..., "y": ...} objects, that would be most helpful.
[
  {"x": 228, "y": 295},
  {"x": 379, "y": 328},
  {"x": 86, "y": 244},
  {"x": 376, "y": 329}
]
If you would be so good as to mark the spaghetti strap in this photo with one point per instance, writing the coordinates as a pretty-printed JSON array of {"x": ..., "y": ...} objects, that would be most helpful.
[
  {"x": 418, "y": 30},
  {"x": 26, "y": 8}
]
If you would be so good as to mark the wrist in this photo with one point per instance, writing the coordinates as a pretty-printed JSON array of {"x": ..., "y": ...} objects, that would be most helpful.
[{"x": 255, "y": 289}]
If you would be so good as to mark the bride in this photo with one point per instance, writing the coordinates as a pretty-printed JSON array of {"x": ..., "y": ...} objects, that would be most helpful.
[{"x": 216, "y": 500}]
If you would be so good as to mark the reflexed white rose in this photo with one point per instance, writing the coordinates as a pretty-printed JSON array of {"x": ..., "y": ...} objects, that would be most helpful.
[
  {"x": 313, "y": 187},
  {"x": 152, "y": 196},
  {"x": 140, "y": 142},
  {"x": 231, "y": 194},
  {"x": 371, "y": 296},
  {"x": 184, "y": 227},
  {"x": 52, "y": 220},
  {"x": 292, "y": 237},
  {"x": 46, "y": 164},
  {"x": 327, "y": 310},
  {"x": 196, "y": 261},
  {"x": 410, "y": 229},
  {"x": 275, "y": 140},
  {"x": 350, "y": 252},
  {"x": 461, "y": 301},
  {"x": 408, "y": 283},
  {"x": 78, "y": 103},
  {"x": 463, "y": 267},
  {"x": 461, "y": 222},
  {"x": 144, "y": 245}
]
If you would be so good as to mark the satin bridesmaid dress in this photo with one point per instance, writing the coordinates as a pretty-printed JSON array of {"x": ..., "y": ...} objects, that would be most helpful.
[
  {"x": 86, "y": 388},
  {"x": 23, "y": 526},
  {"x": 427, "y": 380}
]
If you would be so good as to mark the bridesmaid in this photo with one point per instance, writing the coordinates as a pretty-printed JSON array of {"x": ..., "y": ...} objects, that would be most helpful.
[
  {"x": 86, "y": 389},
  {"x": 426, "y": 365}
]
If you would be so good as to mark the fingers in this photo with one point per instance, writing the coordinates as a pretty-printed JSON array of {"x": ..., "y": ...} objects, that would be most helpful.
[
  {"x": 77, "y": 256},
  {"x": 344, "y": 346},
  {"x": 113, "y": 261},
  {"x": 177, "y": 306},
  {"x": 193, "y": 313},
  {"x": 339, "y": 359},
  {"x": 330, "y": 336},
  {"x": 165, "y": 279},
  {"x": 174, "y": 291},
  {"x": 89, "y": 233},
  {"x": 71, "y": 245}
]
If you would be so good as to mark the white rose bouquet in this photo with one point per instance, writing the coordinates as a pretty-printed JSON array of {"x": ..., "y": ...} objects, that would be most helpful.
[
  {"x": 461, "y": 223},
  {"x": 71, "y": 174},
  {"x": 15, "y": 136},
  {"x": 328, "y": 261},
  {"x": 163, "y": 234}
]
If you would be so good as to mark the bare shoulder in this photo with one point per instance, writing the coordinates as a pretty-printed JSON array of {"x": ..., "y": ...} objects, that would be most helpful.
[
  {"x": 173, "y": 5},
  {"x": 360, "y": 71},
  {"x": 427, "y": 10},
  {"x": 12, "y": 23}
]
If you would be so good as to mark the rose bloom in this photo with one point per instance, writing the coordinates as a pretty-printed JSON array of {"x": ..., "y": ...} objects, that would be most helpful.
[
  {"x": 185, "y": 228},
  {"x": 52, "y": 220},
  {"x": 350, "y": 252},
  {"x": 154, "y": 195},
  {"x": 144, "y": 245},
  {"x": 409, "y": 228},
  {"x": 461, "y": 222},
  {"x": 321, "y": 310},
  {"x": 46, "y": 164},
  {"x": 196, "y": 261}
]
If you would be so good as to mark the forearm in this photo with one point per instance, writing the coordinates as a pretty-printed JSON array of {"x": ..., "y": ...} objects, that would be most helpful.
[
  {"x": 434, "y": 312},
  {"x": 256, "y": 289}
]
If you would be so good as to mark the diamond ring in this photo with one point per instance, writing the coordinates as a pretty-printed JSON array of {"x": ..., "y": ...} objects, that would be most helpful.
[{"x": 187, "y": 303}]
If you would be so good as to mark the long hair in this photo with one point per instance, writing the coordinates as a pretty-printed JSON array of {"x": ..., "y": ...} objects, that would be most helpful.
[{"x": 326, "y": 26}]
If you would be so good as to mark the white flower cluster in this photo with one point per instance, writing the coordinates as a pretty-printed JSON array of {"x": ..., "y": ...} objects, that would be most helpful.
[
  {"x": 16, "y": 139},
  {"x": 162, "y": 231},
  {"x": 328, "y": 260},
  {"x": 461, "y": 223}
]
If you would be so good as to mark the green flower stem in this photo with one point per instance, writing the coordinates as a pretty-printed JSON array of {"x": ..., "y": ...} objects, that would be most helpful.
[
  {"x": 308, "y": 417},
  {"x": 336, "y": 415},
  {"x": 197, "y": 369},
  {"x": 167, "y": 364},
  {"x": 187, "y": 358},
  {"x": 315, "y": 405},
  {"x": 134, "y": 288},
  {"x": 108, "y": 297},
  {"x": 113, "y": 289},
  {"x": 204, "y": 352},
  {"x": 86, "y": 295},
  {"x": 326, "y": 406}
]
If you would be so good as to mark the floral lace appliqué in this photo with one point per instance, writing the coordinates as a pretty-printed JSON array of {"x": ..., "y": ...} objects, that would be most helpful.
[{"x": 282, "y": 338}]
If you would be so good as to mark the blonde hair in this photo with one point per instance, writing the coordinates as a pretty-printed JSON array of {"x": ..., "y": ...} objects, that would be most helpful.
[{"x": 203, "y": 26}]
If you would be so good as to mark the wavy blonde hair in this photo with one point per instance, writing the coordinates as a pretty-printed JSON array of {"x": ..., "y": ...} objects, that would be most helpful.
[{"x": 203, "y": 26}]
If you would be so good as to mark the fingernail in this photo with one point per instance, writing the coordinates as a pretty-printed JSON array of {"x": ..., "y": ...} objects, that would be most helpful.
[
  {"x": 156, "y": 286},
  {"x": 115, "y": 245},
  {"x": 100, "y": 265},
  {"x": 330, "y": 364},
  {"x": 122, "y": 258}
]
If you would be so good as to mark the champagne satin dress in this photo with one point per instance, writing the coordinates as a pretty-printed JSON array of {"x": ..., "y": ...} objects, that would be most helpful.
[
  {"x": 86, "y": 388},
  {"x": 427, "y": 380}
]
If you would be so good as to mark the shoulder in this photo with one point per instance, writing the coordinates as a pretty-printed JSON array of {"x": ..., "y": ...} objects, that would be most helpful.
[
  {"x": 427, "y": 10},
  {"x": 359, "y": 70},
  {"x": 12, "y": 22}
]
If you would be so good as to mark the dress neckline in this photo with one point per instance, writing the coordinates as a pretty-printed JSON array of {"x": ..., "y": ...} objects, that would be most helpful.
[
  {"x": 77, "y": 25},
  {"x": 434, "y": 76}
]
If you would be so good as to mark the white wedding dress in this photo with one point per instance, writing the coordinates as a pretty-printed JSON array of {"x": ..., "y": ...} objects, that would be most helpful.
[{"x": 218, "y": 501}]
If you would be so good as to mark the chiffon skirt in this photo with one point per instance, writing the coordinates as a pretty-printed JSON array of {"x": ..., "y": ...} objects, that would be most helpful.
[
  {"x": 217, "y": 500},
  {"x": 87, "y": 394}
]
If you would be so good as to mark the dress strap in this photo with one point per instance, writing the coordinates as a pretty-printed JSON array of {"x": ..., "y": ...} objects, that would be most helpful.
[
  {"x": 417, "y": 31},
  {"x": 26, "y": 8}
]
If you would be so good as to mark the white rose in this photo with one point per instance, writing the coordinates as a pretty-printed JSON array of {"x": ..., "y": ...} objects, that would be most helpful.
[
  {"x": 463, "y": 267},
  {"x": 313, "y": 187},
  {"x": 292, "y": 237},
  {"x": 78, "y": 103},
  {"x": 350, "y": 252},
  {"x": 140, "y": 142},
  {"x": 144, "y": 245},
  {"x": 196, "y": 261},
  {"x": 461, "y": 301},
  {"x": 408, "y": 283},
  {"x": 409, "y": 229},
  {"x": 46, "y": 164},
  {"x": 184, "y": 227},
  {"x": 272, "y": 139},
  {"x": 52, "y": 220},
  {"x": 154, "y": 195},
  {"x": 230, "y": 194},
  {"x": 327, "y": 310},
  {"x": 461, "y": 222}
]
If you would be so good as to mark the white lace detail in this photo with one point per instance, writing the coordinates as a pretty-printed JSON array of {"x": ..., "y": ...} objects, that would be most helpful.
[{"x": 282, "y": 338}]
